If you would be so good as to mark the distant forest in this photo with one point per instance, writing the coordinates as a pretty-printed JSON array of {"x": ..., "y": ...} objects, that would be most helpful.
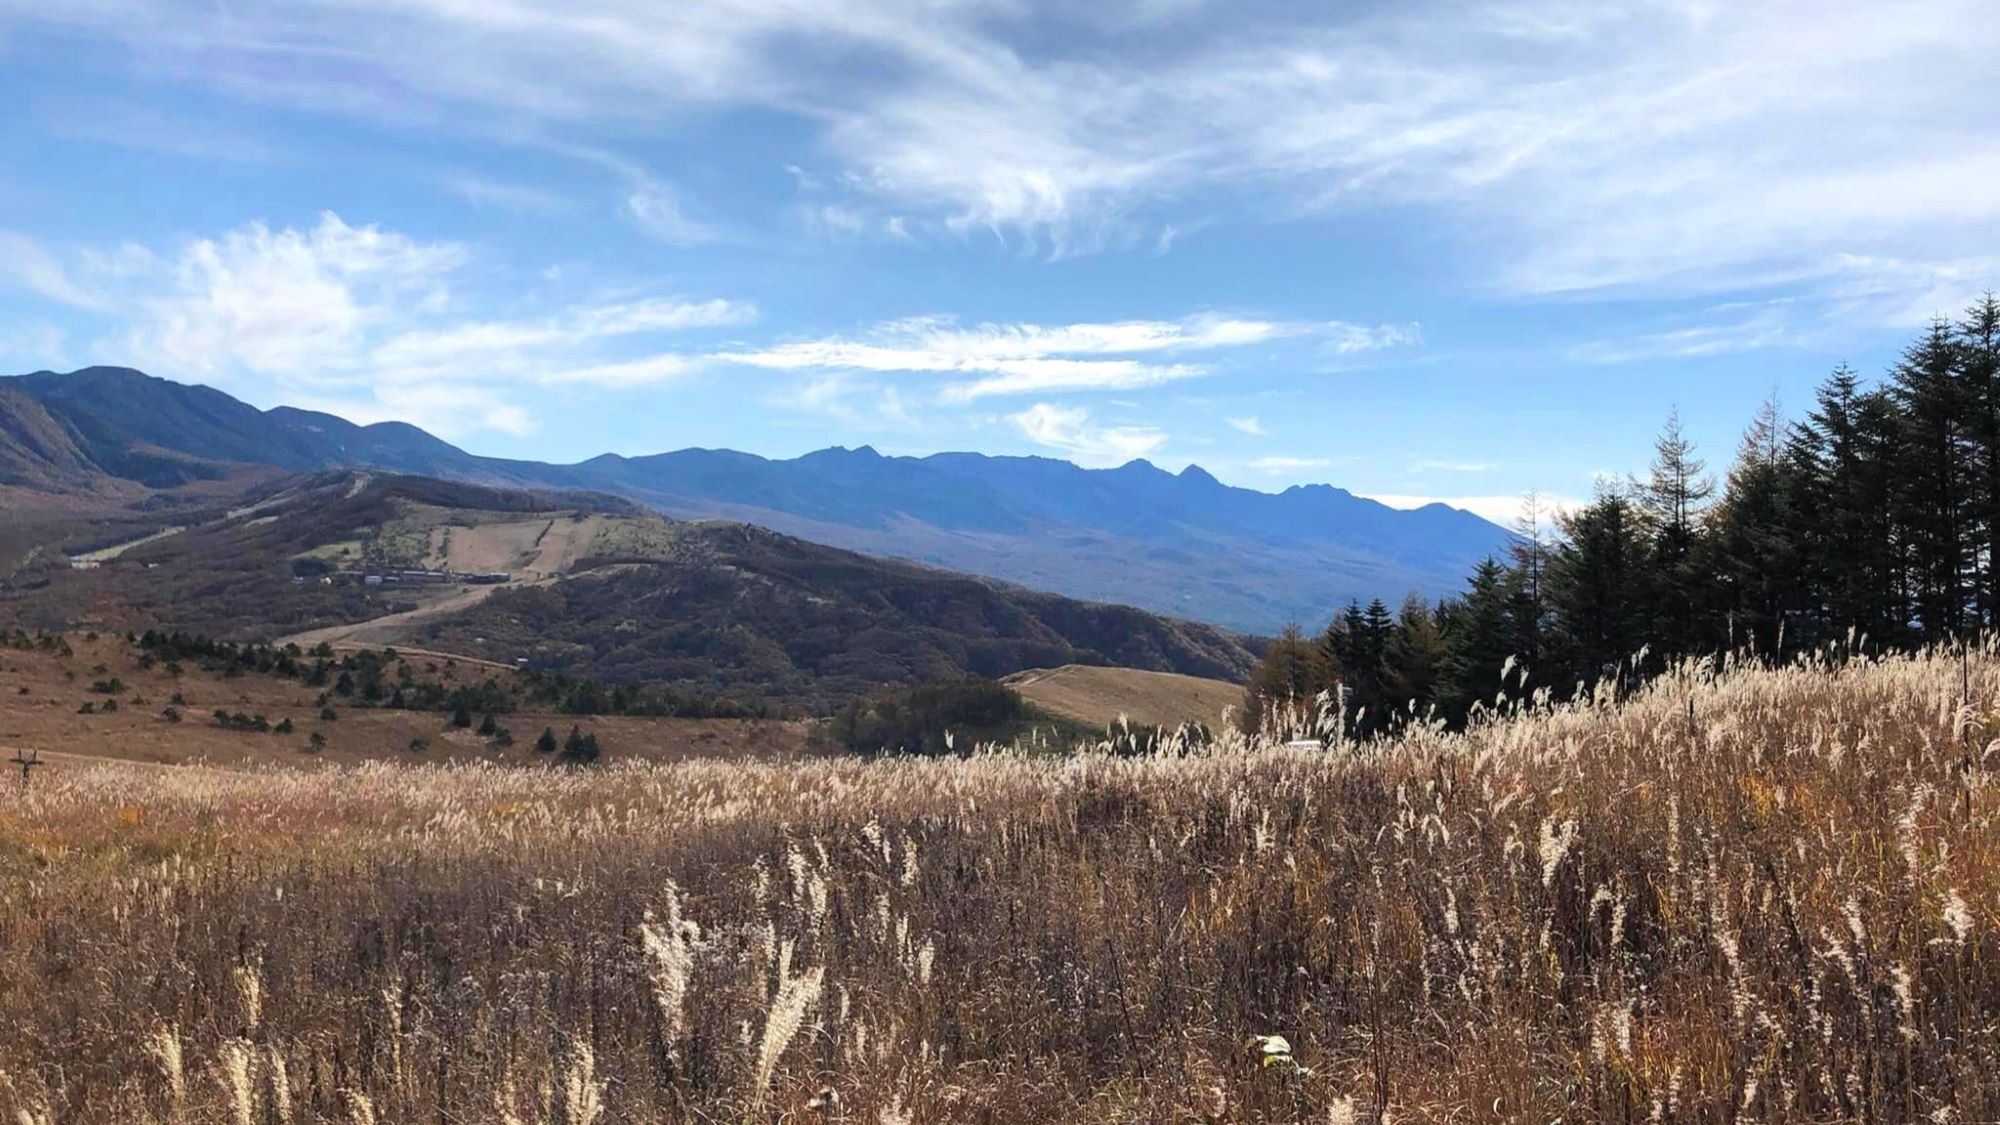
[{"x": 1871, "y": 524}]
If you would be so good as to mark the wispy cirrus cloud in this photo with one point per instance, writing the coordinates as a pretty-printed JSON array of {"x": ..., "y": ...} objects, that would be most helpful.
[
  {"x": 28, "y": 264},
  {"x": 1251, "y": 426},
  {"x": 656, "y": 207},
  {"x": 1071, "y": 431},
  {"x": 1282, "y": 465},
  {"x": 501, "y": 195},
  {"x": 993, "y": 360},
  {"x": 1663, "y": 145}
]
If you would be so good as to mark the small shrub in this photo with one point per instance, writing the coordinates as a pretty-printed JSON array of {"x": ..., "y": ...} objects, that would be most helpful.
[{"x": 240, "y": 721}]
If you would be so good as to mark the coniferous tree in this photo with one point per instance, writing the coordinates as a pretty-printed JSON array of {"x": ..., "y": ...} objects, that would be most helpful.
[
  {"x": 1479, "y": 639},
  {"x": 1877, "y": 516},
  {"x": 1672, "y": 501},
  {"x": 1979, "y": 362},
  {"x": 1755, "y": 558},
  {"x": 1414, "y": 660},
  {"x": 1597, "y": 585},
  {"x": 1933, "y": 472}
]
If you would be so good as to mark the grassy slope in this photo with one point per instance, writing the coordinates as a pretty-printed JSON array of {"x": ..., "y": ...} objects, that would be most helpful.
[
  {"x": 1099, "y": 696},
  {"x": 45, "y": 719},
  {"x": 734, "y": 610},
  {"x": 1782, "y": 909}
]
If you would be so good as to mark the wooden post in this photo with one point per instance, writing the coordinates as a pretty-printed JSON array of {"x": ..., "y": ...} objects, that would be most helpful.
[{"x": 27, "y": 760}]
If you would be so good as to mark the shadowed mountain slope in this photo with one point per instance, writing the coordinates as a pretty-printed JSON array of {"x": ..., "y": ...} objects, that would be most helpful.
[{"x": 1183, "y": 544}]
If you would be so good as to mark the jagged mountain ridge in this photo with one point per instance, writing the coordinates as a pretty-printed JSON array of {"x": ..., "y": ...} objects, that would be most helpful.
[{"x": 1184, "y": 544}]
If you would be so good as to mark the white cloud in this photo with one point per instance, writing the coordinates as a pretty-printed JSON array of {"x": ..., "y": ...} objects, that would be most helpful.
[
  {"x": 287, "y": 300},
  {"x": 629, "y": 373},
  {"x": 366, "y": 322},
  {"x": 1279, "y": 465},
  {"x": 1019, "y": 359},
  {"x": 1070, "y": 430},
  {"x": 504, "y": 342},
  {"x": 1251, "y": 426},
  {"x": 30, "y": 265},
  {"x": 1669, "y": 144},
  {"x": 1353, "y": 339},
  {"x": 656, "y": 207},
  {"x": 499, "y": 195}
]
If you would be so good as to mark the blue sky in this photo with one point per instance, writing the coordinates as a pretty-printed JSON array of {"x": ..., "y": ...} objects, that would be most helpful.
[{"x": 1418, "y": 250}]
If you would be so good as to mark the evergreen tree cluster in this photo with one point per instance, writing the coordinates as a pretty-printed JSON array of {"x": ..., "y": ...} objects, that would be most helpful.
[{"x": 1871, "y": 524}]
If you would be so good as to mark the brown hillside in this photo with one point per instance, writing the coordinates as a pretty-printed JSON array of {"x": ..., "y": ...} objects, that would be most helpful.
[
  {"x": 41, "y": 693},
  {"x": 1099, "y": 696}
]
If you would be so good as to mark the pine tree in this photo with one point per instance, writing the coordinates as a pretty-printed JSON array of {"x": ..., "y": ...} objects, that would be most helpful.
[
  {"x": 1596, "y": 586},
  {"x": 1934, "y": 476},
  {"x": 1756, "y": 557},
  {"x": 1979, "y": 362},
  {"x": 546, "y": 744},
  {"x": 1672, "y": 501},
  {"x": 580, "y": 749},
  {"x": 1844, "y": 458},
  {"x": 1415, "y": 659},
  {"x": 1479, "y": 639}
]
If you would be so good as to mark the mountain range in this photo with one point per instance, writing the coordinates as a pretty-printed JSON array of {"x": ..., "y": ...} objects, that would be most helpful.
[{"x": 1182, "y": 543}]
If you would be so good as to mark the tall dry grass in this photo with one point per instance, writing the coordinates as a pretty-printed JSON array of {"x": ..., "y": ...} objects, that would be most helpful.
[{"x": 1758, "y": 895}]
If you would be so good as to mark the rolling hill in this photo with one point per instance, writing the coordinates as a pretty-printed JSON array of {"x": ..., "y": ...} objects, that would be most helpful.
[
  {"x": 1178, "y": 543},
  {"x": 595, "y": 584},
  {"x": 1100, "y": 697},
  {"x": 48, "y": 707}
]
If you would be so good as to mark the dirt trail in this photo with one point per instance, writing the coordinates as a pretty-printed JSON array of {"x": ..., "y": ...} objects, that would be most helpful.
[
  {"x": 106, "y": 554},
  {"x": 382, "y": 630}
]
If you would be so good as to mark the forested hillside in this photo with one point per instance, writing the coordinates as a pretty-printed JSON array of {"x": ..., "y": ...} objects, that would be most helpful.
[
  {"x": 741, "y": 611},
  {"x": 1870, "y": 524}
]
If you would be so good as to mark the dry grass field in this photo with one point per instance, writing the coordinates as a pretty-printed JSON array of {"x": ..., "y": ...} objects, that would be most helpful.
[
  {"x": 45, "y": 718},
  {"x": 1100, "y": 696},
  {"x": 1755, "y": 896}
]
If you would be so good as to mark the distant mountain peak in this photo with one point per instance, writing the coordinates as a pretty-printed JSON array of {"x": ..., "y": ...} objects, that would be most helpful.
[{"x": 1179, "y": 543}]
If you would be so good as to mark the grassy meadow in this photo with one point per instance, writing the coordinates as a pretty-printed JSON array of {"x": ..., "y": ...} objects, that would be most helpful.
[{"x": 1752, "y": 895}]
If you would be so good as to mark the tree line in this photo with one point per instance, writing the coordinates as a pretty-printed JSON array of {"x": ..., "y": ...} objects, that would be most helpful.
[{"x": 1871, "y": 524}]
